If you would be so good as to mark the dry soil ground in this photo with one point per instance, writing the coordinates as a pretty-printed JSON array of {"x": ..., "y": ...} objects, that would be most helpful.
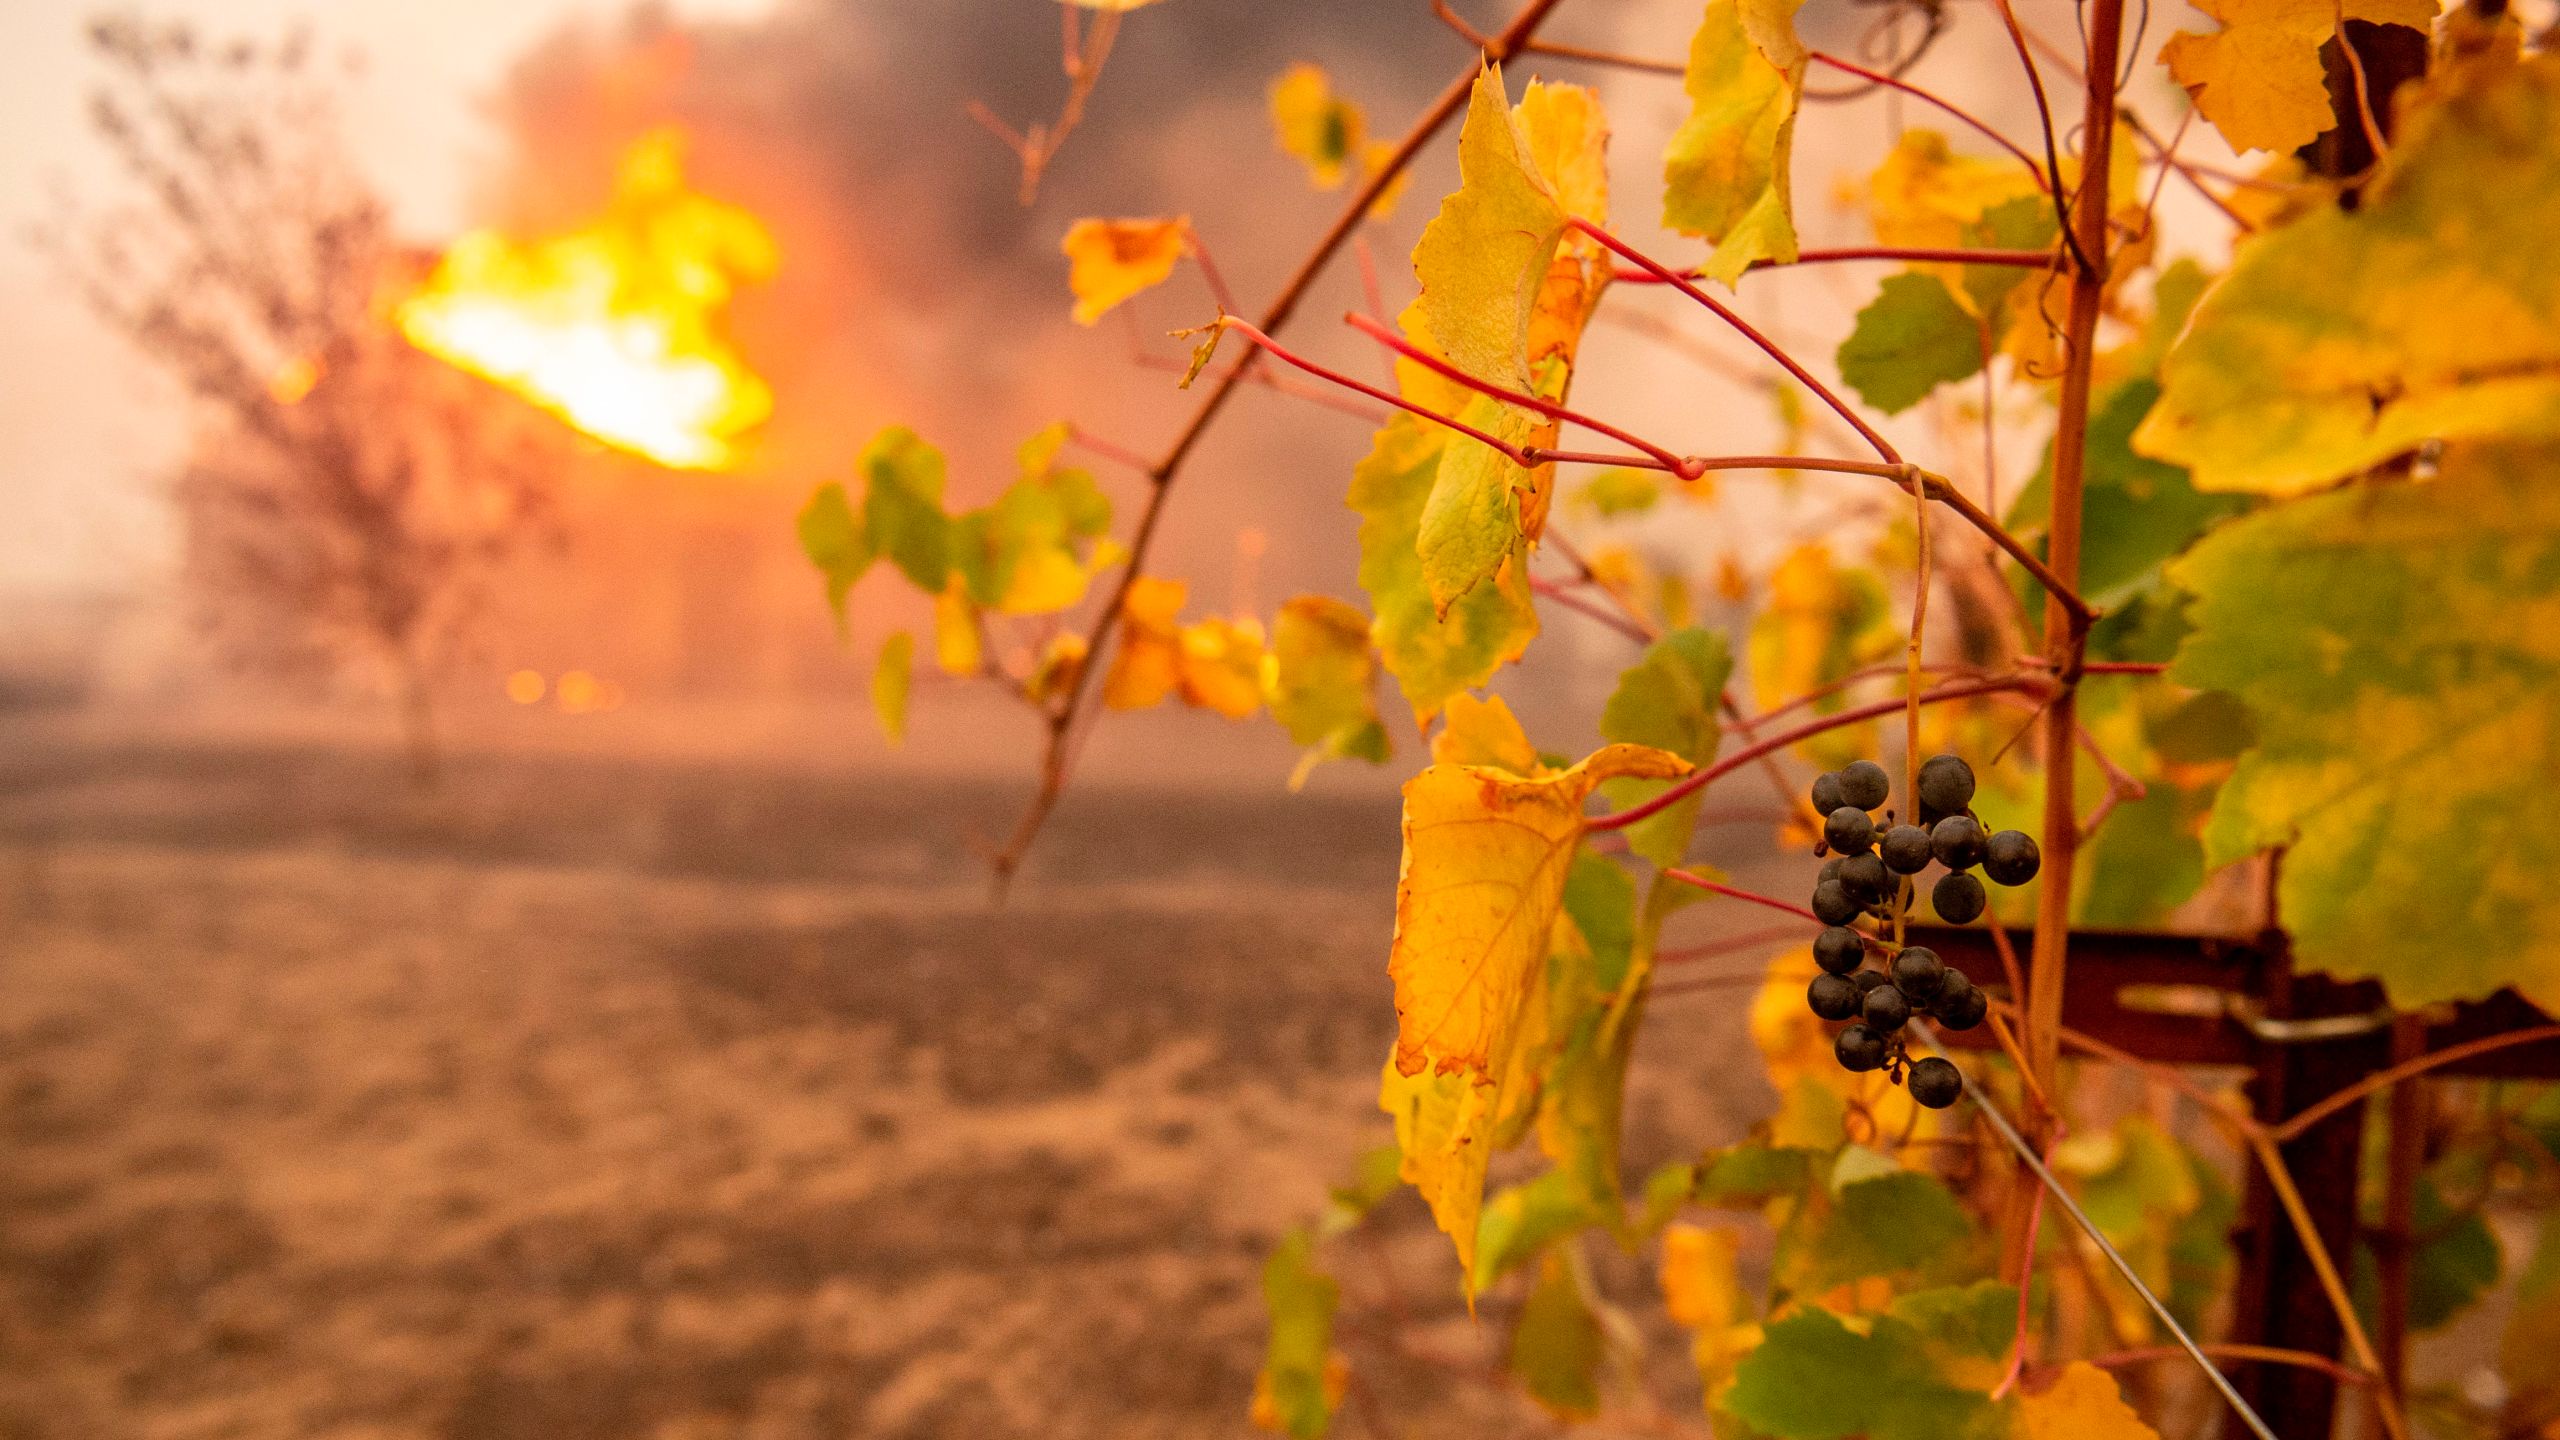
[{"x": 599, "y": 1099}]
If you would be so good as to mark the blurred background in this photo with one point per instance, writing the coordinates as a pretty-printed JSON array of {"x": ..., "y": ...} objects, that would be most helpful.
[{"x": 664, "y": 1069}]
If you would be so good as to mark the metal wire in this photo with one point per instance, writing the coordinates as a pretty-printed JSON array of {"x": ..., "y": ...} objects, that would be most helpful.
[{"x": 2027, "y": 1155}]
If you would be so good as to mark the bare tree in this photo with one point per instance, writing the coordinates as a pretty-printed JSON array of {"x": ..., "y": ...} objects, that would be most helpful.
[{"x": 343, "y": 495}]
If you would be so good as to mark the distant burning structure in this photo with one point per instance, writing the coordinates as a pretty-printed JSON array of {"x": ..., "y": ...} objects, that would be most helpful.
[{"x": 612, "y": 326}]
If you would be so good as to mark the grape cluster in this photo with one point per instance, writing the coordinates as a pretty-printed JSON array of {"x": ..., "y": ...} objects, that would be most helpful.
[{"x": 1871, "y": 877}]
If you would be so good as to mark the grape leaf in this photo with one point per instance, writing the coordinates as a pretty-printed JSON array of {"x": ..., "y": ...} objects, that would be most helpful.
[
  {"x": 2082, "y": 1405},
  {"x": 2396, "y": 647},
  {"x": 1521, "y": 1219},
  {"x": 1620, "y": 491},
  {"x": 1321, "y": 129},
  {"x": 957, "y": 648},
  {"x": 1486, "y": 855},
  {"x": 2258, "y": 78},
  {"x": 1148, "y": 663},
  {"x": 902, "y": 506},
  {"x": 1221, "y": 665},
  {"x": 1667, "y": 700},
  {"x": 1483, "y": 259},
  {"x": 1323, "y": 681},
  {"x": 1474, "y": 519},
  {"x": 1433, "y": 656},
  {"x": 1724, "y": 174},
  {"x": 1596, "y": 992},
  {"x": 1891, "y": 1224},
  {"x": 831, "y": 535},
  {"x": 1704, "y": 1296},
  {"x": 1298, "y": 1387},
  {"x": 1110, "y": 260},
  {"x": 2135, "y": 511},
  {"x": 1792, "y": 1387},
  {"x": 1559, "y": 1344},
  {"x": 1911, "y": 339},
  {"x": 1483, "y": 732},
  {"x": 1820, "y": 622},
  {"x": 891, "y": 678},
  {"x": 2431, "y": 312},
  {"x": 1927, "y": 196}
]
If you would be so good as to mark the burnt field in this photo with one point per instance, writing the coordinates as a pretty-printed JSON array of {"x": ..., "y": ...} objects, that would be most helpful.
[{"x": 614, "y": 1099}]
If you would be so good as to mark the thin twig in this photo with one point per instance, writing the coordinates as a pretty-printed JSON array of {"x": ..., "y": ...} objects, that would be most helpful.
[
  {"x": 2293, "y": 1126},
  {"x": 2043, "y": 183},
  {"x": 1911, "y": 254}
]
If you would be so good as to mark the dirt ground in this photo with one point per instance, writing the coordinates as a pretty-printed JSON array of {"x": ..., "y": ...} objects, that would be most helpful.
[{"x": 611, "y": 1099}]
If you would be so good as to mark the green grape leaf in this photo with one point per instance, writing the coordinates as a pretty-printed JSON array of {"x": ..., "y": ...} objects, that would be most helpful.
[
  {"x": 1911, "y": 339},
  {"x": 1668, "y": 700},
  {"x": 2025, "y": 223},
  {"x": 1560, "y": 1343},
  {"x": 2430, "y": 312},
  {"x": 1596, "y": 991},
  {"x": 1373, "y": 1179},
  {"x": 1432, "y": 656},
  {"x": 1751, "y": 1174},
  {"x": 1472, "y": 522},
  {"x": 1322, "y": 681},
  {"x": 1520, "y": 1220},
  {"x": 1301, "y": 1299},
  {"x": 891, "y": 678},
  {"x": 2148, "y": 858},
  {"x": 2398, "y": 649},
  {"x": 902, "y": 506},
  {"x": 2136, "y": 512},
  {"x": 1725, "y": 172},
  {"x": 1797, "y": 1385},
  {"x": 1900, "y": 1223},
  {"x": 831, "y": 535},
  {"x": 1620, "y": 491}
]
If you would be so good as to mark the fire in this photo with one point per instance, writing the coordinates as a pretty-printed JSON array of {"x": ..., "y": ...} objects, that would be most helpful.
[{"x": 612, "y": 326}]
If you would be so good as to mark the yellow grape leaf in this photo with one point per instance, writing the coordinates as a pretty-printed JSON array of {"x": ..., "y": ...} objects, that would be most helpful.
[
  {"x": 1321, "y": 129},
  {"x": 1222, "y": 665},
  {"x": 1433, "y": 654},
  {"x": 1321, "y": 681},
  {"x": 1148, "y": 663},
  {"x": 1724, "y": 173},
  {"x": 2083, "y": 1405},
  {"x": 1927, "y": 196},
  {"x": 956, "y": 646},
  {"x": 1819, "y": 623},
  {"x": 1483, "y": 732},
  {"x": 2431, "y": 312},
  {"x": 1703, "y": 1295},
  {"x": 2258, "y": 78},
  {"x": 891, "y": 679},
  {"x": 1483, "y": 259},
  {"x": 1110, "y": 260},
  {"x": 1568, "y": 139},
  {"x": 1485, "y": 859}
]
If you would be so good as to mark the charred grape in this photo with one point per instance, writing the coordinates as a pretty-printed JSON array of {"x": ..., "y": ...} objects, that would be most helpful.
[
  {"x": 1848, "y": 830},
  {"x": 1859, "y": 1048},
  {"x": 1864, "y": 784},
  {"x": 1934, "y": 1082},
  {"x": 1958, "y": 842},
  {"x": 1917, "y": 971},
  {"x": 2012, "y": 858},
  {"x": 1839, "y": 950},
  {"x": 1958, "y": 898},
  {"x": 1946, "y": 784}
]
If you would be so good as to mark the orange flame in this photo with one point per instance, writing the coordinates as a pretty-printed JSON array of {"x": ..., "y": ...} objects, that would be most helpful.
[{"x": 611, "y": 326}]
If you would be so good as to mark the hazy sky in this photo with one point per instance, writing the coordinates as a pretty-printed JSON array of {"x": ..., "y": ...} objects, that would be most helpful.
[{"x": 83, "y": 431}]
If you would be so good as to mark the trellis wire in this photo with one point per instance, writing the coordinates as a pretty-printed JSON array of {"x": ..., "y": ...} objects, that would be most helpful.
[{"x": 2027, "y": 1155}]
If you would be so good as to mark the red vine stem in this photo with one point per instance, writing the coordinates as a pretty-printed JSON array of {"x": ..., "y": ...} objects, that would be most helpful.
[
  {"x": 1959, "y": 112},
  {"x": 2265, "y": 1354},
  {"x": 1698, "y": 779},
  {"x": 1061, "y": 722},
  {"x": 1917, "y": 255},
  {"x": 1767, "y": 346},
  {"x": 1526, "y": 401}
]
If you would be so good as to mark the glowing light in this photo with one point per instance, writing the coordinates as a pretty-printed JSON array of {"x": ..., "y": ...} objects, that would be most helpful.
[
  {"x": 612, "y": 326},
  {"x": 525, "y": 687},
  {"x": 293, "y": 380},
  {"x": 578, "y": 692}
]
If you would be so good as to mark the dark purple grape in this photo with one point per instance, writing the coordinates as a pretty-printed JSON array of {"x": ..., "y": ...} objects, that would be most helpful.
[
  {"x": 2012, "y": 858},
  {"x": 1867, "y": 980},
  {"x": 1946, "y": 784},
  {"x": 1826, "y": 793},
  {"x": 1859, "y": 1049},
  {"x": 1905, "y": 849},
  {"x": 1917, "y": 970},
  {"x": 1934, "y": 1082},
  {"x": 1864, "y": 784},
  {"x": 1959, "y": 1006},
  {"x": 1885, "y": 1008},
  {"x": 1958, "y": 898},
  {"x": 1865, "y": 878},
  {"x": 1848, "y": 830},
  {"x": 1832, "y": 905},
  {"x": 1839, "y": 950},
  {"x": 1833, "y": 997},
  {"x": 1958, "y": 842}
]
